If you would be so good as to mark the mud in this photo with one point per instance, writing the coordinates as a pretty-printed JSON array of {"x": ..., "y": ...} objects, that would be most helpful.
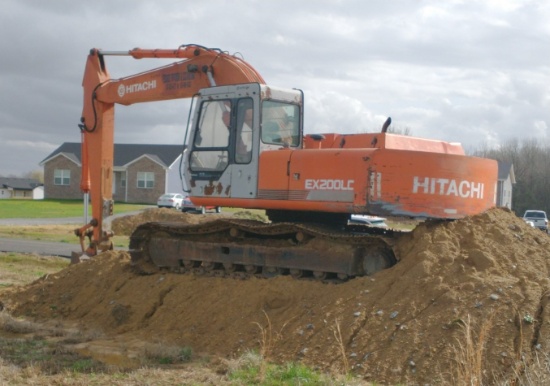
[{"x": 403, "y": 325}]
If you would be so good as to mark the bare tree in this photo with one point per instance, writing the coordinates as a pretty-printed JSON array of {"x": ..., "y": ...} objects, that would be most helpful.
[
  {"x": 400, "y": 130},
  {"x": 531, "y": 160},
  {"x": 35, "y": 175}
]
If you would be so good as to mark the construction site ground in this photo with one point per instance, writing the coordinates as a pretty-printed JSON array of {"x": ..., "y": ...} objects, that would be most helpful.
[{"x": 480, "y": 283}]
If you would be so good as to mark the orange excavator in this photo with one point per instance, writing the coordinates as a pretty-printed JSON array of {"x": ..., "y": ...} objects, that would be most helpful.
[{"x": 246, "y": 148}]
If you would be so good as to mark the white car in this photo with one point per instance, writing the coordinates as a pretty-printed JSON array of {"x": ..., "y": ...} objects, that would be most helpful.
[
  {"x": 538, "y": 217},
  {"x": 170, "y": 200},
  {"x": 530, "y": 223},
  {"x": 373, "y": 221}
]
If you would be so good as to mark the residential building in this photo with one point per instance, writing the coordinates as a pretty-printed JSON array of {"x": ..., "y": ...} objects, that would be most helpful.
[
  {"x": 21, "y": 188},
  {"x": 141, "y": 173},
  {"x": 506, "y": 180}
]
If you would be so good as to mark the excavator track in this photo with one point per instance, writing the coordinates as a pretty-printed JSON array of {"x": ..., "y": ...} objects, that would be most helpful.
[{"x": 242, "y": 248}]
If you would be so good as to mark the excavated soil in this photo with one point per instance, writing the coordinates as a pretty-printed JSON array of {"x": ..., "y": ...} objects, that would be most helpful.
[{"x": 403, "y": 325}]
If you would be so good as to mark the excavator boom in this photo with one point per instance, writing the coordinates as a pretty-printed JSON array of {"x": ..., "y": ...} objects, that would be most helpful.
[{"x": 201, "y": 67}]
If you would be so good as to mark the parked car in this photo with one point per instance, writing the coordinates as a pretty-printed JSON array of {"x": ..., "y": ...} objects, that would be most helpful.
[
  {"x": 530, "y": 223},
  {"x": 170, "y": 200},
  {"x": 538, "y": 217},
  {"x": 187, "y": 205},
  {"x": 374, "y": 221}
]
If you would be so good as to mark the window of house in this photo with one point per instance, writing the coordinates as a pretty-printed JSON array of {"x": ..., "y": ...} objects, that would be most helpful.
[
  {"x": 146, "y": 180},
  {"x": 123, "y": 179},
  {"x": 61, "y": 177}
]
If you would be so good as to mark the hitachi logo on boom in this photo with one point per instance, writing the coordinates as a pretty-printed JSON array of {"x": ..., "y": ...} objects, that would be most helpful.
[
  {"x": 448, "y": 187},
  {"x": 144, "y": 86}
]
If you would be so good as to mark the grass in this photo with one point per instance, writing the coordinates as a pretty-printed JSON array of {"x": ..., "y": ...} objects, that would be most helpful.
[
  {"x": 168, "y": 354},
  {"x": 257, "y": 368},
  {"x": 53, "y": 233},
  {"x": 252, "y": 366},
  {"x": 17, "y": 268},
  {"x": 18, "y": 208},
  {"x": 49, "y": 357},
  {"x": 267, "y": 343},
  {"x": 65, "y": 233}
]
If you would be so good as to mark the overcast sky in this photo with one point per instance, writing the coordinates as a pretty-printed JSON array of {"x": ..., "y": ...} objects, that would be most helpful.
[{"x": 476, "y": 72}]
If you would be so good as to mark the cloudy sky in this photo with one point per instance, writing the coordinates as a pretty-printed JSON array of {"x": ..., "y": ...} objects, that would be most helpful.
[{"x": 476, "y": 72}]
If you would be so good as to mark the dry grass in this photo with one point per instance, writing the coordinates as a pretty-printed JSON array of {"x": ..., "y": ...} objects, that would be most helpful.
[
  {"x": 268, "y": 339},
  {"x": 33, "y": 375},
  {"x": 341, "y": 346},
  {"x": 16, "y": 326},
  {"x": 167, "y": 353},
  {"x": 248, "y": 360},
  {"x": 470, "y": 367},
  {"x": 469, "y": 353},
  {"x": 60, "y": 233},
  {"x": 33, "y": 354},
  {"x": 535, "y": 373},
  {"x": 19, "y": 268}
]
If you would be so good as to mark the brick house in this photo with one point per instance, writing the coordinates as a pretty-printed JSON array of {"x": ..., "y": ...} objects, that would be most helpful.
[{"x": 141, "y": 173}]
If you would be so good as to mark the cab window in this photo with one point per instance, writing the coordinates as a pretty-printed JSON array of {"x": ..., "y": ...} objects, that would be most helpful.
[
  {"x": 211, "y": 142},
  {"x": 280, "y": 123}
]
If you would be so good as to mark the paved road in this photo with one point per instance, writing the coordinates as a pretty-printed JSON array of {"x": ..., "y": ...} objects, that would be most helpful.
[
  {"x": 56, "y": 221},
  {"x": 45, "y": 248},
  {"x": 41, "y": 221}
]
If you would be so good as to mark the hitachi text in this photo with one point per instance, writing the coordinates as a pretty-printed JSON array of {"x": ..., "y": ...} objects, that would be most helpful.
[
  {"x": 448, "y": 187},
  {"x": 136, "y": 87}
]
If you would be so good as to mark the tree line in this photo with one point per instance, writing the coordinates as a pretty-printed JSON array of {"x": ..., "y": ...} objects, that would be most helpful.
[
  {"x": 34, "y": 175},
  {"x": 531, "y": 161}
]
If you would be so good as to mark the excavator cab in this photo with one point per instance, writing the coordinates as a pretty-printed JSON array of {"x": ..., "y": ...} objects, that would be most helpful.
[{"x": 232, "y": 126}]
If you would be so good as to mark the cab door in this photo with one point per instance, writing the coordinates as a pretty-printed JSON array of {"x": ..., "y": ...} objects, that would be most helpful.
[
  {"x": 244, "y": 165},
  {"x": 223, "y": 153}
]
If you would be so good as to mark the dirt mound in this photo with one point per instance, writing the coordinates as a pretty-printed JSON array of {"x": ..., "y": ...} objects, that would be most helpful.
[
  {"x": 402, "y": 325},
  {"x": 125, "y": 225}
]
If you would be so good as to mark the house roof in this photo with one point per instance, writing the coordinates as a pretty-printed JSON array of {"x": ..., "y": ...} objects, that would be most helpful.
[
  {"x": 19, "y": 183},
  {"x": 124, "y": 153}
]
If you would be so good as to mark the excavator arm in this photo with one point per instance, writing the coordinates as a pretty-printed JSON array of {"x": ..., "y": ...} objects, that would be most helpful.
[{"x": 199, "y": 68}]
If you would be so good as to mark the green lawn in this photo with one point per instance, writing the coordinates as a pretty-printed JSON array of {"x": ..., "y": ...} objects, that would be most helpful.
[{"x": 19, "y": 208}]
